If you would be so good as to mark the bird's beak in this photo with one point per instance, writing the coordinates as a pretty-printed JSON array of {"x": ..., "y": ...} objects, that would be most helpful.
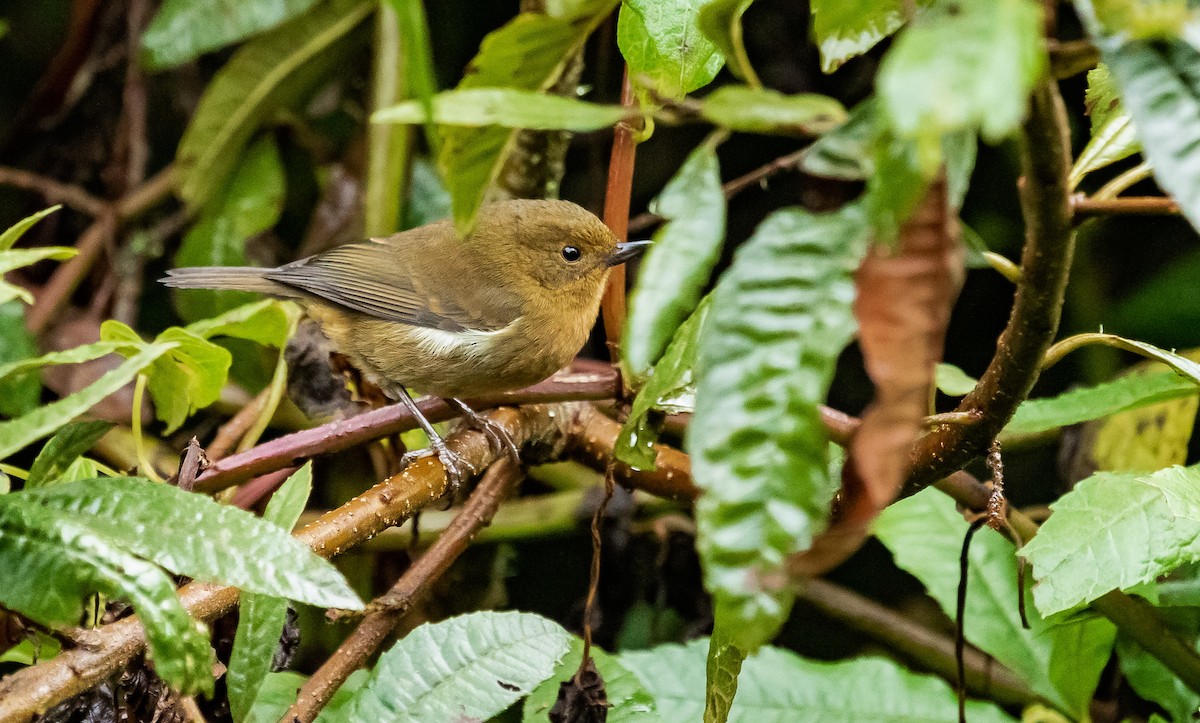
[{"x": 626, "y": 250}]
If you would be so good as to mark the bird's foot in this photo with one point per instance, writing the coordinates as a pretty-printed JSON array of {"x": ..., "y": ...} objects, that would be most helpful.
[
  {"x": 458, "y": 469},
  {"x": 498, "y": 437}
]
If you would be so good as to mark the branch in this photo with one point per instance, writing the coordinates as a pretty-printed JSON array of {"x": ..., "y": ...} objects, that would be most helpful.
[
  {"x": 616, "y": 217},
  {"x": 1072, "y": 57},
  {"x": 1084, "y": 207},
  {"x": 386, "y": 611},
  {"x": 53, "y": 191},
  {"x": 1045, "y": 263}
]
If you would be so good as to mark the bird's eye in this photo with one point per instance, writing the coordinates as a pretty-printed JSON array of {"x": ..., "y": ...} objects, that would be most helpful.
[{"x": 571, "y": 254}]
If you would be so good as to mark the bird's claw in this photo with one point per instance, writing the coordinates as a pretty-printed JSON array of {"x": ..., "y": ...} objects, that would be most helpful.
[
  {"x": 458, "y": 469},
  {"x": 498, "y": 437}
]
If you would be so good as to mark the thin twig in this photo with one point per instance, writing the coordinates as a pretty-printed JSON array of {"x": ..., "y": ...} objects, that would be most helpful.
[
  {"x": 593, "y": 593},
  {"x": 56, "y": 293},
  {"x": 616, "y": 217},
  {"x": 1084, "y": 207},
  {"x": 960, "y": 612},
  {"x": 386, "y": 612},
  {"x": 229, "y": 433},
  {"x": 53, "y": 191}
]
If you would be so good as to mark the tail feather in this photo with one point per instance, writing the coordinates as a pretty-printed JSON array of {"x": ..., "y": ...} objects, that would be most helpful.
[{"x": 238, "y": 278}]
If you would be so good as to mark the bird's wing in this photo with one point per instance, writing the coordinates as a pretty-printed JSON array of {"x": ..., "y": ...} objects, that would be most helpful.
[{"x": 371, "y": 278}]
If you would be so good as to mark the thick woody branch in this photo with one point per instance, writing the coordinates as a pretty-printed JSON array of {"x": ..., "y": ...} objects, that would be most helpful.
[{"x": 1045, "y": 263}]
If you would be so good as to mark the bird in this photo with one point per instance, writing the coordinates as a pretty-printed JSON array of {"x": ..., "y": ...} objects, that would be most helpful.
[{"x": 499, "y": 309}]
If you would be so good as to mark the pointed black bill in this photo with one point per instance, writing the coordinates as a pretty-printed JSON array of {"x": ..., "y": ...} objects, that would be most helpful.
[{"x": 627, "y": 250}]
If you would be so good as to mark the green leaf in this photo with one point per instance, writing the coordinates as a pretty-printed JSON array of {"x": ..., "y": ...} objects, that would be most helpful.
[
  {"x": 262, "y": 617},
  {"x": 1160, "y": 84},
  {"x": 678, "y": 265},
  {"x": 721, "y": 22},
  {"x": 844, "y": 153},
  {"x": 17, "y": 433},
  {"x": 191, "y": 534},
  {"x": 1131, "y": 391},
  {"x": 848, "y": 28},
  {"x": 429, "y": 200},
  {"x": 471, "y": 666},
  {"x": 778, "y": 686},
  {"x": 182, "y": 30},
  {"x": 1075, "y": 565},
  {"x": 186, "y": 378},
  {"x": 662, "y": 43},
  {"x": 63, "y": 449},
  {"x": 248, "y": 206},
  {"x": 529, "y": 53},
  {"x": 1112, "y": 142},
  {"x": 507, "y": 107},
  {"x": 1102, "y": 101},
  {"x": 271, "y": 72},
  {"x": 779, "y": 318},
  {"x": 1062, "y": 663},
  {"x": 53, "y": 563},
  {"x": 628, "y": 701},
  {"x": 74, "y": 355},
  {"x": 18, "y": 229},
  {"x": 265, "y": 322},
  {"x": 964, "y": 65},
  {"x": 761, "y": 110},
  {"x": 670, "y": 385},
  {"x": 721, "y": 672},
  {"x": 1150, "y": 679},
  {"x": 278, "y": 693},
  {"x": 17, "y": 258},
  {"x": 18, "y": 395},
  {"x": 952, "y": 381},
  {"x": 420, "y": 77}
]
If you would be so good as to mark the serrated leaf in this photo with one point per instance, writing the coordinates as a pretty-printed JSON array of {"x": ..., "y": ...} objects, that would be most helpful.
[
  {"x": 952, "y": 381},
  {"x": 1096, "y": 539},
  {"x": 13, "y": 233},
  {"x": 1060, "y": 662},
  {"x": 662, "y": 43},
  {"x": 778, "y": 686},
  {"x": 15, "y": 434},
  {"x": 53, "y": 563},
  {"x": 183, "y": 30},
  {"x": 721, "y": 22},
  {"x": 471, "y": 666},
  {"x": 261, "y": 618},
  {"x": 248, "y": 206},
  {"x": 628, "y": 701},
  {"x": 966, "y": 65},
  {"x": 762, "y": 110},
  {"x": 63, "y": 449},
  {"x": 848, "y": 28},
  {"x": 671, "y": 379},
  {"x": 191, "y": 534},
  {"x": 779, "y": 318},
  {"x": 678, "y": 265},
  {"x": 529, "y": 53},
  {"x": 21, "y": 394},
  {"x": 1159, "y": 81},
  {"x": 271, "y": 72},
  {"x": 507, "y": 107},
  {"x": 1080, "y": 405}
]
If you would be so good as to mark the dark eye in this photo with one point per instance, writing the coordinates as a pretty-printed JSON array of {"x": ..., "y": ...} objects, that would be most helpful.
[{"x": 571, "y": 254}]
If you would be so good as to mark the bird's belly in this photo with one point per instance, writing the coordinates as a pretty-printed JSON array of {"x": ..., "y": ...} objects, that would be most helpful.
[{"x": 443, "y": 363}]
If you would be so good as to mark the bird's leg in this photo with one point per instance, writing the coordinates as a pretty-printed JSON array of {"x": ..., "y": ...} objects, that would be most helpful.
[
  {"x": 458, "y": 470},
  {"x": 497, "y": 435}
]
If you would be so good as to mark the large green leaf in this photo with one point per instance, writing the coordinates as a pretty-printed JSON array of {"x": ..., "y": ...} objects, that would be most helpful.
[
  {"x": 1150, "y": 679},
  {"x": 968, "y": 64},
  {"x": 271, "y": 72},
  {"x": 193, "y": 535},
  {"x": 1131, "y": 391},
  {"x": 74, "y": 355},
  {"x": 679, "y": 263},
  {"x": 779, "y": 318},
  {"x": 507, "y": 107},
  {"x": 53, "y": 562},
  {"x": 248, "y": 206},
  {"x": 266, "y": 322},
  {"x": 848, "y": 28},
  {"x": 185, "y": 29},
  {"x": 529, "y": 53},
  {"x": 278, "y": 693},
  {"x": 43, "y": 421},
  {"x": 261, "y": 618},
  {"x": 20, "y": 394},
  {"x": 63, "y": 449},
  {"x": 1059, "y": 662},
  {"x": 721, "y": 22},
  {"x": 469, "y": 667},
  {"x": 1159, "y": 81},
  {"x": 628, "y": 701},
  {"x": 1097, "y": 539},
  {"x": 669, "y": 387},
  {"x": 778, "y": 686},
  {"x": 762, "y": 110},
  {"x": 661, "y": 42}
]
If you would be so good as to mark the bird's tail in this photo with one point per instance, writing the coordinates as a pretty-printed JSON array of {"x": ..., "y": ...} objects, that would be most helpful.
[{"x": 238, "y": 278}]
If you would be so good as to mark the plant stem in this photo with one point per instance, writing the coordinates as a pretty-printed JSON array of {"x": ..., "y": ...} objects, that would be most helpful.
[
  {"x": 616, "y": 217},
  {"x": 1085, "y": 207}
]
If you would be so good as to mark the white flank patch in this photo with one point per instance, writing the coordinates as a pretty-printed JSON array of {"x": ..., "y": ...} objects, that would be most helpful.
[{"x": 439, "y": 342}]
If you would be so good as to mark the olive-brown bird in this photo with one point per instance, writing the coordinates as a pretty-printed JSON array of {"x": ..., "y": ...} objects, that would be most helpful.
[{"x": 502, "y": 308}]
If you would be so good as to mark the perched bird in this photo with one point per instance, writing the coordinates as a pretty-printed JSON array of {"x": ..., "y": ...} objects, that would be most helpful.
[{"x": 500, "y": 309}]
